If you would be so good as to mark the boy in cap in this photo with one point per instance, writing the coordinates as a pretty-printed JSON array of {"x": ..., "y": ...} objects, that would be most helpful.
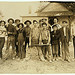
[
  {"x": 20, "y": 39},
  {"x": 55, "y": 35},
  {"x": 11, "y": 31},
  {"x": 26, "y": 32},
  {"x": 65, "y": 41},
  {"x": 35, "y": 39},
  {"x": 17, "y": 21},
  {"x": 58, "y": 27},
  {"x": 2, "y": 36},
  {"x": 45, "y": 41}
]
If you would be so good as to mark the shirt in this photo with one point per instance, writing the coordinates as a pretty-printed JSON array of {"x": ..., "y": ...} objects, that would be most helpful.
[
  {"x": 11, "y": 29},
  {"x": 45, "y": 34},
  {"x": 59, "y": 26},
  {"x": 27, "y": 31},
  {"x": 55, "y": 37},
  {"x": 2, "y": 31},
  {"x": 35, "y": 33}
]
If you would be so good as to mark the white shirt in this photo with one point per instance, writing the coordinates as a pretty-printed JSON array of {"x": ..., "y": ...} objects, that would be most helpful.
[
  {"x": 2, "y": 31},
  {"x": 73, "y": 30},
  {"x": 58, "y": 25}
]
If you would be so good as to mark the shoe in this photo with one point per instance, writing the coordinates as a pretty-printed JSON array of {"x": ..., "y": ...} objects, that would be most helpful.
[
  {"x": 53, "y": 60},
  {"x": 43, "y": 60},
  {"x": 57, "y": 59},
  {"x": 67, "y": 60},
  {"x": 18, "y": 59},
  {"x": 13, "y": 58},
  {"x": 27, "y": 59},
  {"x": 50, "y": 61}
]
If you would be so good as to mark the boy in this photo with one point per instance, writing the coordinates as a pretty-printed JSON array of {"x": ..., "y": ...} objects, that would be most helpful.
[
  {"x": 55, "y": 35},
  {"x": 11, "y": 31},
  {"x": 26, "y": 32},
  {"x": 45, "y": 41},
  {"x": 20, "y": 38},
  {"x": 35, "y": 36},
  {"x": 2, "y": 36},
  {"x": 17, "y": 21},
  {"x": 65, "y": 41}
]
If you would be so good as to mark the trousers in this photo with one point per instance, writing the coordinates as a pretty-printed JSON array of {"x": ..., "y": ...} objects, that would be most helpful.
[
  {"x": 2, "y": 41},
  {"x": 74, "y": 45},
  {"x": 65, "y": 49}
]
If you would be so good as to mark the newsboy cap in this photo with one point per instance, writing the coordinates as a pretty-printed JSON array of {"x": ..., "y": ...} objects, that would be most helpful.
[
  {"x": 27, "y": 21},
  {"x": 20, "y": 24},
  {"x": 17, "y": 20},
  {"x": 10, "y": 19},
  {"x": 2, "y": 21}
]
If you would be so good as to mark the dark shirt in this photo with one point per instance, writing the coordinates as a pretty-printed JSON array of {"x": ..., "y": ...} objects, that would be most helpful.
[
  {"x": 20, "y": 34},
  {"x": 27, "y": 31},
  {"x": 11, "y": 29},
  {"x": 55, "y": 37}
]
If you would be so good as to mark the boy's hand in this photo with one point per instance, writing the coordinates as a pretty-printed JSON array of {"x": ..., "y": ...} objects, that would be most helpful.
[{"x": 9, "y": 32}]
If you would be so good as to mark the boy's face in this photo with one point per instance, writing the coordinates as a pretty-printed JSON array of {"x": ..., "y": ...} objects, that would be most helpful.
[
  {"x": 44, "y": 26},
  {"x": 10, "y": 22},
  {"x": 17, "y": 22},
  {"x": 44, "y": 20},
  {"x": 64, "y": 24},
  {"x": 35, "y": 24},
  {"x": 2, "y": 24},
  {"x": 20, "y": 26},
  {"x": 54, "y": 28},
  {"x": 55, "y": 20},
  {"x": 28, "y": 23}
]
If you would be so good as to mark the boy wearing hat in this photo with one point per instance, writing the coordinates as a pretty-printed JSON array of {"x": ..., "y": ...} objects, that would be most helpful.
[
  {"x": 55, "y": 35},
  {"x": 26, "y": 32},
  {"x": 17, "y": 21},
  {"x": 20, "y": 39},
  {"x": 45, "y": 41},
  {"x": 2, "y": 36},
  {"x": 65, "y": 41},
  {"x": 11, "y": 31},
  {"x": 35, "y": 39},
  {"x": 58, "y": 27}
]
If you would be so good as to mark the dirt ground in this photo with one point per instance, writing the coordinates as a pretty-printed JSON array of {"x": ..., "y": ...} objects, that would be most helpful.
[{"x": 35, "y": 66}]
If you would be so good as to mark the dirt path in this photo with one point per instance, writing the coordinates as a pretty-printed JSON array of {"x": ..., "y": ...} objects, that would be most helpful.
[{"x": 34, "y": 65}]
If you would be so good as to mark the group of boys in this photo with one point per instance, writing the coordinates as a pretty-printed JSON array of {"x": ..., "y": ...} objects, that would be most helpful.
[{"x": 42, "y": 36}]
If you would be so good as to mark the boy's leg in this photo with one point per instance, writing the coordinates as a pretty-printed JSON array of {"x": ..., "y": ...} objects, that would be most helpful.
[
  {"x": 13, "y": 46},
  {"x": 19, "y": 49},
  {"x": 53, "y": 49},
  {"x": 74, "y": 45},
  {"x": 2, "y": 41},
  {"x": 63, "y": 50},
  {"x": 40, "y": 54},
  {"x": 28, "y": 50},
  {"x": 8, "y": 43},
  {"x": 49, "y": 53},
  {"x": 67, "y": 52},
  {"x": 56, "y": 52}
]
